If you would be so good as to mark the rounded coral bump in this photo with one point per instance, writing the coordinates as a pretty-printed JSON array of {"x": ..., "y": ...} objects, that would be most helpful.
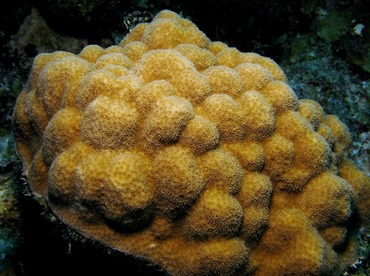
[{"x": 109, "y": 124}]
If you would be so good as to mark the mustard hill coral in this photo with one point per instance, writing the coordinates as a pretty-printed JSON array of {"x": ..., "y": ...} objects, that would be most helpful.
[{"x": 191, "y": 154}]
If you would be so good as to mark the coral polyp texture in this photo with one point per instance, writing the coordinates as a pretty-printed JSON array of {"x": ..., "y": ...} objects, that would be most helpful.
[{"x": 192, "y": 155}]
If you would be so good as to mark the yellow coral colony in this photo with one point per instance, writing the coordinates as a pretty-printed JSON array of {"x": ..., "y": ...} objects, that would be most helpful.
[{"x": 191, "y": 154}]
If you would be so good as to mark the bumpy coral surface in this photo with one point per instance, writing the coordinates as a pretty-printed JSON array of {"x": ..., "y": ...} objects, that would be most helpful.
[{"x": 191, "y": 154}]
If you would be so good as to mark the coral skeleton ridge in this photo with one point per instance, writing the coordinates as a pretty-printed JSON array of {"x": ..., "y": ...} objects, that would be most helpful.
[{"x": 191, "y": 154}]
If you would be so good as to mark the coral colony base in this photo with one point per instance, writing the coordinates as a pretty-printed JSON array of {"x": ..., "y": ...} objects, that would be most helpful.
[{"x": 191, "y": 154}]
